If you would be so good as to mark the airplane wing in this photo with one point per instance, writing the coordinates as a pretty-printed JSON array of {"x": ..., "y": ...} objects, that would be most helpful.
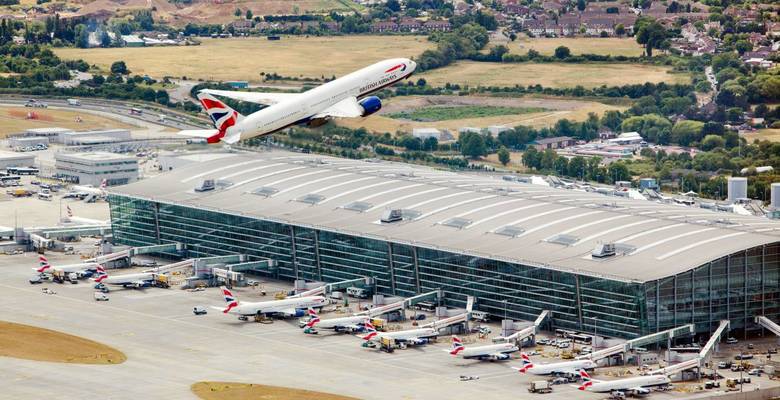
[
  {"x": 639, "y": 390},
  {"x": 287, "y": 311},
  {"x": 199, "y": 133},
  {"x": 569, "y": 371},
  {"x": 347, "y": 108},
  {"x": 253, "y": 97}
]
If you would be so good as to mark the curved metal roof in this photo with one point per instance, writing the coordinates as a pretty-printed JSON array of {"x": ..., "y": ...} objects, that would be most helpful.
[{"x": 466, "y": 213}]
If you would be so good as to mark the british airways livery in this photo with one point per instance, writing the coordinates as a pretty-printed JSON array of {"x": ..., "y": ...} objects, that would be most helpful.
[{"x": 345, "y": 97}]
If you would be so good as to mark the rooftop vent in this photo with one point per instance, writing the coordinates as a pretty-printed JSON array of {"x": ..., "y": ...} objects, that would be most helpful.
[
  {"x": 603, "y": 250},
  {"x": 360, "y": 206},
  {"x": 511, "y": 231},
  {"x": 390, "y": 216},
  {"x": 456, "y": 222},
  {"x": 205, "y": 186},
  {"x": 311, "y": 198},
  {"x": 266, "y": 191},
  {"x": 566, "y": 240}
]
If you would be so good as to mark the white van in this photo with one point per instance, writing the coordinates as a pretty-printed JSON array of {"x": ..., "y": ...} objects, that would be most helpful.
[
  {"x": 100, "y": 296},
  {"x": 74, "y": 102},
  {"x": 44, "y": 196}
]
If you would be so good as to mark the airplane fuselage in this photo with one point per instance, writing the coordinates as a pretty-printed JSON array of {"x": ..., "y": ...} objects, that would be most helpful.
[
  {"x": 340, "y": 323},
  {"x": 629, "y": 383},
  {"x": 356, "y": 84},
  {"x": 561, "y": 368},
  {"x": 278, "y": 306},
  {"x": 128, "y": 279},
  {"x": 487, "y": 352},
  {"x": 403, "y": 336}
]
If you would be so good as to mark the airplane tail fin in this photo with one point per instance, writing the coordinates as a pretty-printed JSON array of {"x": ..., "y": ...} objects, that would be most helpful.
[
  {"x": 586, "y": 381},
  {"x": 371, "y": 331},
  {"x": 457, "y": 346},
  {"x": 100, "y": 274},
  {"x": 527, "y": 364},
  {"x": 229, "y": 299},
  {"x": 43, "y": 264},
  {"x": 313, "y": 318},
  {"x": 223, "y": 118}
]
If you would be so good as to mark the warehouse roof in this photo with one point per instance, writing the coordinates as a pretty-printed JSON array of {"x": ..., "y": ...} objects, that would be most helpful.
[{"x": 475, "y": 214}]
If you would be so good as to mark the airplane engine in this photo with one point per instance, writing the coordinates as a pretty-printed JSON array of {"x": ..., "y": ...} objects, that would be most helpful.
[
  {"x": 299, "y": 313},
  {"x": 370, "y": 105},
  {"x": 419, "y": 341},
  {"x": 500, "y": 357}
]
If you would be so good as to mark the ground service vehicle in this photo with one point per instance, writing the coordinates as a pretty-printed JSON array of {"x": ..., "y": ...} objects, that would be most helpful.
[{"x": 540, "y": 387}]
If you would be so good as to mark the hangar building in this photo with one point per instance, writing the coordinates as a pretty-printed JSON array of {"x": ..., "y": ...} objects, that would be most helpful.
[{"x": 519, "y": 248}]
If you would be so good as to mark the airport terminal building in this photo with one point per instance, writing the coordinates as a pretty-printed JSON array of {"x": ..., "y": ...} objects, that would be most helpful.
[{"x": 518, "y": 248}]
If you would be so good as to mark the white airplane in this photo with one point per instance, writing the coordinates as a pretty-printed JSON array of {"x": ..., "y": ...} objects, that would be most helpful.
[
  {"x": 637, "y": 385},
  {"x": 345, "y": 97},
  {"x": 344, "y": 324},
  {"x": 492, "y": 352},
  {"x": 135, "y": 281},
  {"x": 91, "y": 191},
  {"x": 83, "y": 221},
  {"x": 82, "y": 270},
  {"x": 409, "y": 337},
  {"x": 559, "y": 368},
  {"x": 289, "y": 307}
]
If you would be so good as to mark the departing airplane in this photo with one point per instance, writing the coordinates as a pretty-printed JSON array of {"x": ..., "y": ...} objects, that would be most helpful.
[
  {"x": 560, "y": 368},
  {"x": 345, "y": 97},
  {"x": 638, "y": 385},
  {"x": 344, "y": 324},
  {"x": 135, "y": 281},
  {"x": 492, "y": 352},
  {"x": 289, "y": 307},
  {"x": 409, "y": 337},
  {"x": 82, "y": 270}
]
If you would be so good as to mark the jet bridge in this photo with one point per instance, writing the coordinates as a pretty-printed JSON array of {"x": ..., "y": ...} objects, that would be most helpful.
[
  {"x": 525, "y": 333},
  {"x": 159, "y": 248},
  {"x": 704, "y": 354},
  {"x": 435, "y": 295},
  {"x": 768, "y": 324},
  {"x": 71, "y": 231},
  {"x": 329, "y": 287},
  {"x": 712, "y": 344},
  {"x": 668, "y": 335}
]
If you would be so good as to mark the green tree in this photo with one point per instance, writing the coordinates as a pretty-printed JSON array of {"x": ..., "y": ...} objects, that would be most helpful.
[
  {"x": 687, "y": 132},
  {"x": 119, "y": 67},
  {"x": 238, "y": 12},
  {"x": 618, "y": 171},
  {"x": 651, "y": 34},
  {"x": 472, "y": 145},
  {"x": 531, "y": 158},
  {"x": 743, "y": 46},
  {"x": 581, "y": 4},
  {"x": 562, "y": 52},
  {"x": 503, "y": 156},
  {"x": 653, "y": 127},
  {"x": 576, "y": 167},
  {"x": 620, "y": 30},
  {"x": 711, "y": 142},
  {"x": 82, "y": 36},
  {"x": 249, "y": 14},
  {"x": 612, "y": 120}
]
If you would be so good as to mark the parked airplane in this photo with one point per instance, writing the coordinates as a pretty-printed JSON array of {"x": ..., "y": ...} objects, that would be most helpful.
[
  {"x": 135, "y": 281},
  {"x": 409, "y": 337},
  {"x": 83, "y": 221},
  {"x": 91, "y": 191},
  {"x": 637, "y": 385},
  {"x": 83, "y": 270},
  {"x": 559, "y": 368},
  {"x": 492, "y": 352},
  {"x": 345, "y": 97},
  {"x": 344, "y": 324},
  {"x": 289, "y": 307}
]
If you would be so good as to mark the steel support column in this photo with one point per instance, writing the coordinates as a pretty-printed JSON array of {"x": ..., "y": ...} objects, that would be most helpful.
[
  {"x": 293, "y": 251},
  {"x": 416, "y": 270},
  {"x": 391, "y": 266},
  {"x": 317, "y": 254}
]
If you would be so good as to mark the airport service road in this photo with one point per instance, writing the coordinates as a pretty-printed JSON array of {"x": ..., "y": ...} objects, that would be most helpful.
[{"x": 168, "y": 349}]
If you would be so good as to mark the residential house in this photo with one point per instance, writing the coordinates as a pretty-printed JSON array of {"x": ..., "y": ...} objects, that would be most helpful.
[
  {"x": 437, "y": 26},
  {"x": 409, "y": 25},
  {"x": 384, "y": 26}
]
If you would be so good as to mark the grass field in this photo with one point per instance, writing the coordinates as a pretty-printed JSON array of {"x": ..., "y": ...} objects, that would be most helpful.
[
  {"x": 33, "y": 343},
  {"x": 603, "y": 46},
  {"x": 246, "y": 58},
  {"x": 556, "y": 75},
  {"x": 234, "y": 390},
  {"x": 462, "y": 112},
  {"x": 15, "y": 120},
  {"x": 770, "y": 134},
  {"x": 556, "y": 108}
]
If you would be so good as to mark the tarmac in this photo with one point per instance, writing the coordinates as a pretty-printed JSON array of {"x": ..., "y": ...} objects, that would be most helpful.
[{"x": 169, "y": 348}]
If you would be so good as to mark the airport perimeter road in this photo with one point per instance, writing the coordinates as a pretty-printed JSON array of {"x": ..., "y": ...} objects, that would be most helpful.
[{"x": 121, "y": 109}]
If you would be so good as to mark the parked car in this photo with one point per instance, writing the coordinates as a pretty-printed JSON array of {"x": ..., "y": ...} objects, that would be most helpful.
[
  {"x": 199, "y": 310},
  {"x": 755, "y": 371},
  {"x": 100, "y": 296},
  {"x": 724, "y": 364},
  {"x": 732, "y": 340},
  {"x": 36, "y": 280}
]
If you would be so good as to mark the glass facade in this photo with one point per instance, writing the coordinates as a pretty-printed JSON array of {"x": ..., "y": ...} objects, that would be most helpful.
[{"x": 736, "y": 287}]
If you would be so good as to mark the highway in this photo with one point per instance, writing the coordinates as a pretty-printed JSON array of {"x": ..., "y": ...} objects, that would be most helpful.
[{"x": 173, "y": 119}]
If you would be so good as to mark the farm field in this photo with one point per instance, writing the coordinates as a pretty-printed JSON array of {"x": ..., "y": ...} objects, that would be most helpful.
[
  {"x": 556, "y": 75},
  {"x": 554, "y": 109},
  {"x": 444, "y": 113},
  {"x": 246, "y": 58},
  {"x": 15, "y": 120},
  {"x": 770, "y": 134},
  {"x": 235, "y": 390},
  {"x": 603, "y": 46}
]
